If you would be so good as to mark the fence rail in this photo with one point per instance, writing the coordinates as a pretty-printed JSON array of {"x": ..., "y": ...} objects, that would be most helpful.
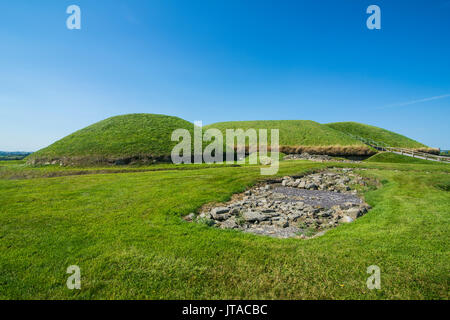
[
  {"x": 416, "y": 154},
  {"x": 403, "y": 151}
]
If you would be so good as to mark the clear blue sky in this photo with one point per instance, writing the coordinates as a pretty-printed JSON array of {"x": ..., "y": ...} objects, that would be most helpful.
[{"x": 224, "y": 60}]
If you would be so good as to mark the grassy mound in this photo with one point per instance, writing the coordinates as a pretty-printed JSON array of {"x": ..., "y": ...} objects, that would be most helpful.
[
  {"x": 388, "y": 157},
  {"x": 146, "y": 138},
  {"x": 298, "y": 136},
  {"x": 121, "y": 139},
  {"x": 376, "y": 134}
]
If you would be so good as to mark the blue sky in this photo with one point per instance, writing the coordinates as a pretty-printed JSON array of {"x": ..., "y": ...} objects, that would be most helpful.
[{"x": 227, "y": 60}]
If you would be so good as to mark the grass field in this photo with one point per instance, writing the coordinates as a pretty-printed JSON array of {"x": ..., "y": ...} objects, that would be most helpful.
[
  {"x": 124, "y": 231},
  {"x": 21, "y": 170}
]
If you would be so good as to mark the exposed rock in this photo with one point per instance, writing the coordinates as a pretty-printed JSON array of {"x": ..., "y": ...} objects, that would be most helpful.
[
  {"x": 254, "y": 216},
  {"x": 189, "y": 217},
  {"x": 354, "y": 212},
  {"x": 289, "y": 207},
  {"x": 283, "y": 223},
  {"x": 346, "y": 219},
  {"x": 230, "y": 224},
  {"x": 315, "y": 157},
  {"x": 219, "y": 210},
  {"x": 220, "y": 213}
]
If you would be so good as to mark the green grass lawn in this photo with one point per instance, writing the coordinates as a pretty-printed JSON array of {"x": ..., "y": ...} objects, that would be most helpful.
[
  {"x": 124, "y": 231},
  {"x": 21, "y": 170}
]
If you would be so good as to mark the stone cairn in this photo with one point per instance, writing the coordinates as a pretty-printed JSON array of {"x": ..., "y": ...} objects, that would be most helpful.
[{"x": 291, "y": 207}]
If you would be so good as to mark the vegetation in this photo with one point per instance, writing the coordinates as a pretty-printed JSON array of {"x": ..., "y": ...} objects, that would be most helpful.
[
  {"x": 293, "y": 132},
  {"x": 297, "y": 136},
  {"x": 141, "y": 136},
  {"x": 22, "y": 170},
  {"x": 396, "y": 158},
  {"x": 125, "y": 232},
  {"x": 17, "y": 155},
  {"x": 146, "y": 139},
  {"x": 376, "y": 134}
]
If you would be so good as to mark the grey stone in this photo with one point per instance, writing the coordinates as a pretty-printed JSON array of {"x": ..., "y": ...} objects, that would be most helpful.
[
  {"x": 190, "y": 217},
  {"x": 220, "y": 213},
  {"x": 230, "y": 224},
  {"x": 311, "y": 186},
  {"x": 220, "y": 210},
  {"x": 353, "y": 213},
  {"x": 252, "y": 216},
  {"x": 282, "y": 223},
  {"x": 234, "y": 211},
  {"x": 346, "y": 219}
]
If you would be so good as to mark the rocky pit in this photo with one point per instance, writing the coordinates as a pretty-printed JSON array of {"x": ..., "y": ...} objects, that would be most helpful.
[{"x": 292, "y": 206}]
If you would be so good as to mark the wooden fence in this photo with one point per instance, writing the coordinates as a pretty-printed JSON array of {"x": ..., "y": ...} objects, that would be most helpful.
[{"x": 403, "y": 151}]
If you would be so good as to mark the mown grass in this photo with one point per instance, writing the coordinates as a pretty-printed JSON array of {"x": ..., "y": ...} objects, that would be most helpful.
[
  {"x": 22, "y": 170},
  {"x": 376, "y": 134},
  {"x": 125, "y": 232}
]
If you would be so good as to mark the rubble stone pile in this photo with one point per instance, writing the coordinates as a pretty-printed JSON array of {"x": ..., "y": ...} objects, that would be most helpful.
[{"x": 291, "y": 207}]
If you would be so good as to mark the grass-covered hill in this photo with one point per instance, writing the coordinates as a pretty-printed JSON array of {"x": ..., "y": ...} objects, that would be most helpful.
[
  {"x": 376, "y": 134},
  {"x": 120, "y": 138},
  {"x": 147, "y": 138},
  {"x": 302, "y": 136}
]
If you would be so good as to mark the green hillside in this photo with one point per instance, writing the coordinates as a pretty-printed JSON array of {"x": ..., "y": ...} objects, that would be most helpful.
[
  {"x": 388, "y": 157},
  {"x": 298, "y": 136},
  {"x": 147, "y": 138},
  {"x": 293, "y": 132},
  {"x": 379, "y": 135},
  {"x": 131, "y": 135}
]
